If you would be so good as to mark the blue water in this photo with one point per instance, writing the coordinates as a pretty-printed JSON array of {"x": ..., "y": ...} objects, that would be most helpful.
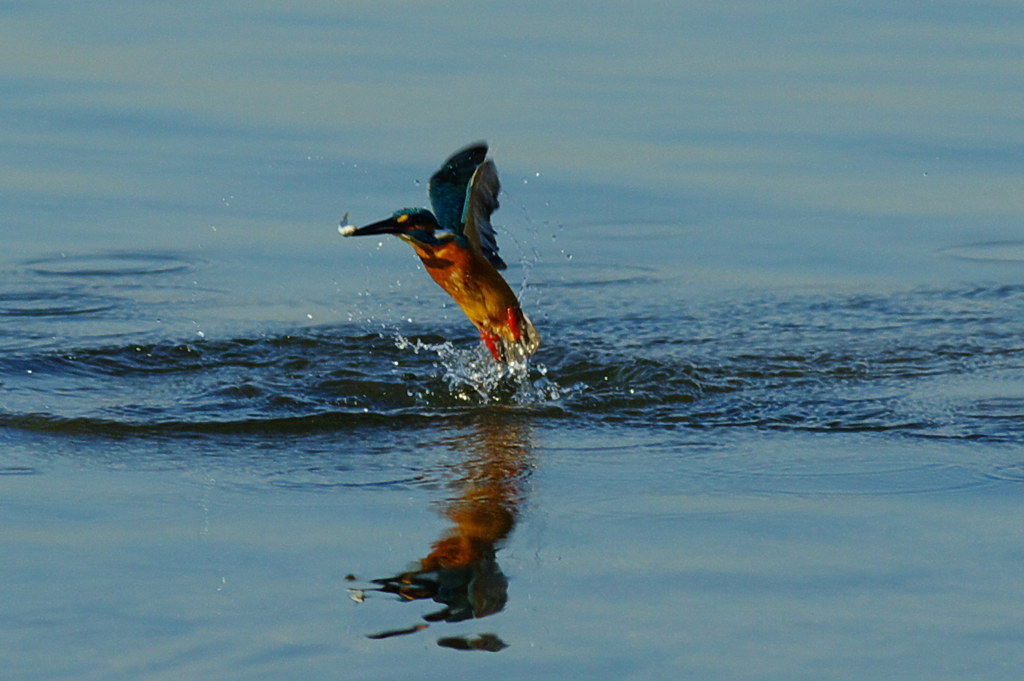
[{"x": 774, "y": 429}]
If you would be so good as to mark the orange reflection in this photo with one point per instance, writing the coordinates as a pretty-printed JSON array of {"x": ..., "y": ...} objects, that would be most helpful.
[{"x": 461, "y": 572}]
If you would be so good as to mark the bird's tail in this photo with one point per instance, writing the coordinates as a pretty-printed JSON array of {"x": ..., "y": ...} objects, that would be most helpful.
[{"x": 522, "y": 344}]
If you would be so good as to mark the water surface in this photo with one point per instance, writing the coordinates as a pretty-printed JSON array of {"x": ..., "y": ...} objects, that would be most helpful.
[{"x": 774, "y": 430}]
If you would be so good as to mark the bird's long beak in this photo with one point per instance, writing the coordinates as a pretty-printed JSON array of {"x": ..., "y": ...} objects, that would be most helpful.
[{"x": 389, "y": 226}]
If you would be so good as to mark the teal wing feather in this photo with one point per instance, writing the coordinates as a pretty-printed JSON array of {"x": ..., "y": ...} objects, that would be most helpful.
[
  {"x": 481, "y": 201},
  {"x": 448, "y": 186}
]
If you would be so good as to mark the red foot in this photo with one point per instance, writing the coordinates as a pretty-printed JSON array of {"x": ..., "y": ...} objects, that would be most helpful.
[
  {"x": 490, "y": 340},
  {"x": 513, "y": 322}
]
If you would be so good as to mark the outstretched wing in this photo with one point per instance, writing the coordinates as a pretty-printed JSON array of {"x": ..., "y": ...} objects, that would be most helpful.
[
  {"x": 448, "y": 186},
  {"x": 481, "y": 201}
]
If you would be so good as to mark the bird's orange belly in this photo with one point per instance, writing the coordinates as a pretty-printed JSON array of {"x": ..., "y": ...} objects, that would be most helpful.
[{"x": 472, "y": 282}]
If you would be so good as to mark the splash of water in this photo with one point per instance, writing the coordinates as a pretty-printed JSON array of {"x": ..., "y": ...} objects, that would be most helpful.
[{"x": 473, "y": 376}]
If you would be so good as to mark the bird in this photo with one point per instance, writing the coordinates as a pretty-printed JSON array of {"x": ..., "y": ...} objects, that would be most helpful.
[{"x": 457, "y": 245}]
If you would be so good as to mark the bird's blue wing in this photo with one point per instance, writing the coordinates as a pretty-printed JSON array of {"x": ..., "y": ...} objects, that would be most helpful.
[
  {"x": 481, "y": 201},
  {"x": 448, "y": 186}
]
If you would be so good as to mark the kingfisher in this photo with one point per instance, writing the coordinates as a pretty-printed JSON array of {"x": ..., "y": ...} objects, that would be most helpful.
[{"x": 457, "y": 245}]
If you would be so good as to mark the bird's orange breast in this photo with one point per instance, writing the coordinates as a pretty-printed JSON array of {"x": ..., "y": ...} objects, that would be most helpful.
[{"x": 471, "y": 281}]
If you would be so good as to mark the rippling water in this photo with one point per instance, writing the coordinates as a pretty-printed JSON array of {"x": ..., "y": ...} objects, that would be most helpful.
[{"x": 86, "y": 354}]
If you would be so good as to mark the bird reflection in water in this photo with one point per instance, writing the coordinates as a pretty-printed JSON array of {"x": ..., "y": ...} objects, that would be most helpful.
[{"x": 461, "y": 572}]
